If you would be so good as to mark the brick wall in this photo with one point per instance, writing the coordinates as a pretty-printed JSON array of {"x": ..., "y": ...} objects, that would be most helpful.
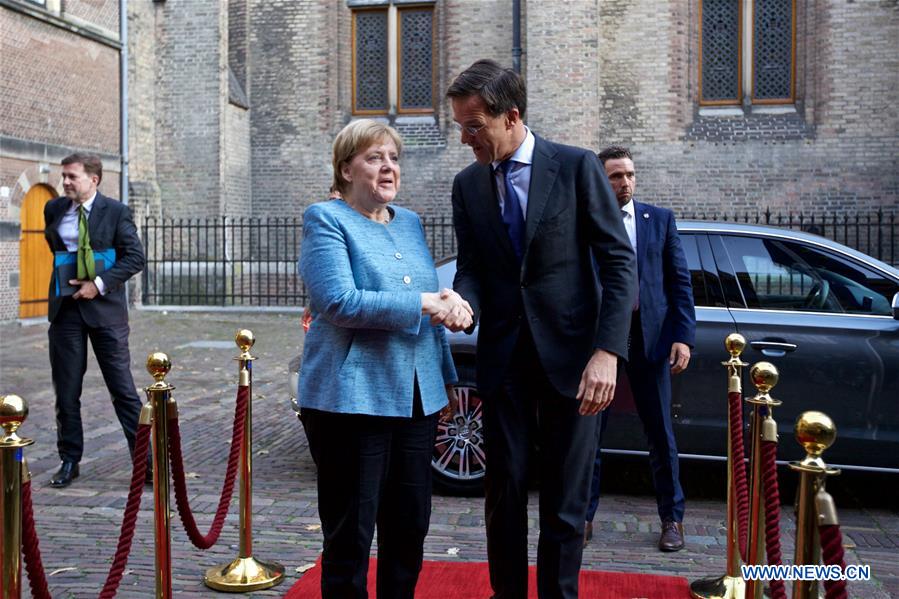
[
  {"x": 237, "y": 40},
  {"x": 103, "y": 14},
  {"x": 191, "y": 92},
  {"x": 236, "y": 182},
  {"x": 835, "y": 154},
  {"x": 613, "y": 71},
  {"x": 616, "y": 71},
  {"x": 142, "y": 86},
  {"x": 293, "y": 90},
  {"x": 58, "y": 87}
]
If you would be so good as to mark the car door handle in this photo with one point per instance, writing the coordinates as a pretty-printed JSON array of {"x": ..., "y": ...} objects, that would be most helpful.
[{"x": 774, "y": 349}]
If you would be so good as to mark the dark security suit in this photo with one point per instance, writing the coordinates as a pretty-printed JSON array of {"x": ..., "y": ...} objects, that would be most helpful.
[
  {"x": 665, "y": 316},
  {"x": 540, "y": 321},
  {"x": 103, "y": 319}
]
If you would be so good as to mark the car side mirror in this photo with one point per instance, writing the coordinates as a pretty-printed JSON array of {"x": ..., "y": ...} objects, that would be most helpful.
[{"x": 896, "y": 306}]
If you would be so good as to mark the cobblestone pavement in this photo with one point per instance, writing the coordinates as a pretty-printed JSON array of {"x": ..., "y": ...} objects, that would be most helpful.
[{"x": 78, "y": 526}]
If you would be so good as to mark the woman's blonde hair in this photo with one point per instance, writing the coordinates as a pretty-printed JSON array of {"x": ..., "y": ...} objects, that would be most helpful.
[{"x": 354, "y": 138}]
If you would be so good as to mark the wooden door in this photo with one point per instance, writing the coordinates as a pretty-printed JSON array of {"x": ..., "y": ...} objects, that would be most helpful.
[{"x": 35, "y": 259}]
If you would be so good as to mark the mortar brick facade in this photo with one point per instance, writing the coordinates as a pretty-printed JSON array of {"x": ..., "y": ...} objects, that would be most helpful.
[
  {"x": 103, "y": 14},
  {"x": 191, "y": 93},
  {"x": 58, "y": 87},
  {"x": 142, "y": 85}
]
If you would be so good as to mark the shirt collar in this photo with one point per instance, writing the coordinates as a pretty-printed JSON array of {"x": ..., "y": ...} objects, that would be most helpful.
[
  {"x": 525, "y": 152},
  {"x": 87, "y": 205},
  {"x": 629, "y": 208}
]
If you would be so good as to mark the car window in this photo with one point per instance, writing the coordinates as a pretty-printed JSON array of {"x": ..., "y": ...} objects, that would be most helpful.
[
  {"x": 858, "y": 289},
  {"x": 697, "y": 278},
  {"x": 772, "y": 277},
  {"x": 732, "y": 296}
]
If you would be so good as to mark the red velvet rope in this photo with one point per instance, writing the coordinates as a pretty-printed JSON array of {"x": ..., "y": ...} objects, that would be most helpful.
[
  {"x": 832, "y": 554},
  {"x": 740, "y": 485},
  {"x": 37, "y": 579},
  {"x": 138, "y": 475},
  {"x": 772, "y": 514},
  {"x": 187, "y": 517}
]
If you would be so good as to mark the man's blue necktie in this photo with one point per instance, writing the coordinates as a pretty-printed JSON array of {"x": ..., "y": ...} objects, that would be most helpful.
[{"x": 512, "y": 216}]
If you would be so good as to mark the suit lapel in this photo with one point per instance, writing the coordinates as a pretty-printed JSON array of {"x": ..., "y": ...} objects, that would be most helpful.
[
  {"x": 642, "y": 216},
  {"x": 488, "y": 205},
  {"x": 96, "y": 216},
  {"x": 58, "y": 209},
  {"x": 544, "y": 170}
]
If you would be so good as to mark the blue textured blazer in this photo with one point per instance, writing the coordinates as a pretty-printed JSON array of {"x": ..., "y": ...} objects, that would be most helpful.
[{"x": 368, "y": 340}]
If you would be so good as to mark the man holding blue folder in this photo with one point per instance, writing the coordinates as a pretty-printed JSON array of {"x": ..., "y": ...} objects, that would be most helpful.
[{"x": 96, "y": 250}]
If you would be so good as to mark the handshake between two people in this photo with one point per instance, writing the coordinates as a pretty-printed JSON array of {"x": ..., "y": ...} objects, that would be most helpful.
[{"x": 447, "y": 308}]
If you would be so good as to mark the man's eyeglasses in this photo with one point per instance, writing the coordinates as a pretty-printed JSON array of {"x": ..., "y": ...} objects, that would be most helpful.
[{"x": 468, "y": 128}]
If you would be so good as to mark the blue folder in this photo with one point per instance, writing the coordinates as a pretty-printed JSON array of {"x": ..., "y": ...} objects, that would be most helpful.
[{"x": 65, "y": 268}]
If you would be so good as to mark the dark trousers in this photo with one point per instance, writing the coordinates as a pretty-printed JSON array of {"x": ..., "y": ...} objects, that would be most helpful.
[
  {"x": 593, "y": 504},
  {"x": 68, "y": 335},
  {"x": 528, "y": 409},
  {"x": 372, "y": 470},
  {"x": 651, "y": 386}
]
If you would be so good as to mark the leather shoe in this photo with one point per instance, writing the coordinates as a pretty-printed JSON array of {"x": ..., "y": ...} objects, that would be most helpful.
[
  {"x": 588, "y": 532},
  {"x": 67, "y": 472},
  {"x": 672, "y": 538}
]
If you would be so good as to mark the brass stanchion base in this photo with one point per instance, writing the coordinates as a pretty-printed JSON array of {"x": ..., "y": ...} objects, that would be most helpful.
[
  {"x": 243, "y": 575},
  {"x": 723, "y": 587}
]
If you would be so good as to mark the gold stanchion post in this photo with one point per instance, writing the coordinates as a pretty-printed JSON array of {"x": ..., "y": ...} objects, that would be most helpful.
[
  {"x": 731, "y": 585},
  {"x": 155, "y": 411},
  {"x": 246, "y": 573},
  {"x": 764, "y": 376},
  {"x": 815, "y": 431},
  {"x": 13, "y": 412}
]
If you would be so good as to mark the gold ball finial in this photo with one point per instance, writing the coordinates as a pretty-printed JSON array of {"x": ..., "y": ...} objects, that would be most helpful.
[
  {"x": 13, "y": 412},
  {"x": 815, "y": 431},
  {"x": 735, "y": 343},
  {"x": 764, "y": 376},
  {"x": 158, "y": 365},
  {"x": 245, "y": 339}
]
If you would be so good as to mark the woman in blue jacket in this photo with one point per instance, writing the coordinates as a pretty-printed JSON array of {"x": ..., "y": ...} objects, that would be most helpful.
[{"x": 376, "y": 367}]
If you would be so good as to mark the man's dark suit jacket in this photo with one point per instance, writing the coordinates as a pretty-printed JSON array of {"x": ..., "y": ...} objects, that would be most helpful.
[
  {"x": 666, "y": 295},
  {"x": 110, "y": 226},
  {"x": 571, "y": 211}
]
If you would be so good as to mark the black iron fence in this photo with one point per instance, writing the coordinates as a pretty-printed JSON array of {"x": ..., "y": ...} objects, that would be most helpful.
[
  {"x": 239, "y": 261},
  {"x": 252, "y": 261}
]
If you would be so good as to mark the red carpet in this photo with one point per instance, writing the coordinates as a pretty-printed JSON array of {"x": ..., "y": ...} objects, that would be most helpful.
[{"x": 452, "y": 580}]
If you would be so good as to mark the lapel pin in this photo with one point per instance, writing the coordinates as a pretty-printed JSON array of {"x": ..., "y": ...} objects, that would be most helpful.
[{"x": 646, "y": 215}]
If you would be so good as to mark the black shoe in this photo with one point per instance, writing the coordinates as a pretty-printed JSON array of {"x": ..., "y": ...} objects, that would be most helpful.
[
  {"x": 588, "y": 532},
  {"x": 67, "y": 472}
]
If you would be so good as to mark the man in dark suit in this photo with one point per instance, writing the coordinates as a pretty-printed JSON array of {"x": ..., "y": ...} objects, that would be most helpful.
[
  {"x": 663, "y": 328},
  {"x": 529, "y": 215},
  {"x": 96, "y": 309}
]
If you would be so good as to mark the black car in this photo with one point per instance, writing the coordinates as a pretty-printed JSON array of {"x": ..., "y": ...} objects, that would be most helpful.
[{"x": 826, "y": 315}]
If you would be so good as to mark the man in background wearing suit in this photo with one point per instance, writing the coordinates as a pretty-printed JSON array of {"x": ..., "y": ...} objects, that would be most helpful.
[
  {"x": 529, "y": 215},
  {"x": 84, "y": 221},
  {"x": 663, "y": 326}
]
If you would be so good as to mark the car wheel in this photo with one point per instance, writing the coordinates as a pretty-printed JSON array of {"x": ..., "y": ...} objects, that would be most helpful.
[{"x": 459, "y": 458}]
